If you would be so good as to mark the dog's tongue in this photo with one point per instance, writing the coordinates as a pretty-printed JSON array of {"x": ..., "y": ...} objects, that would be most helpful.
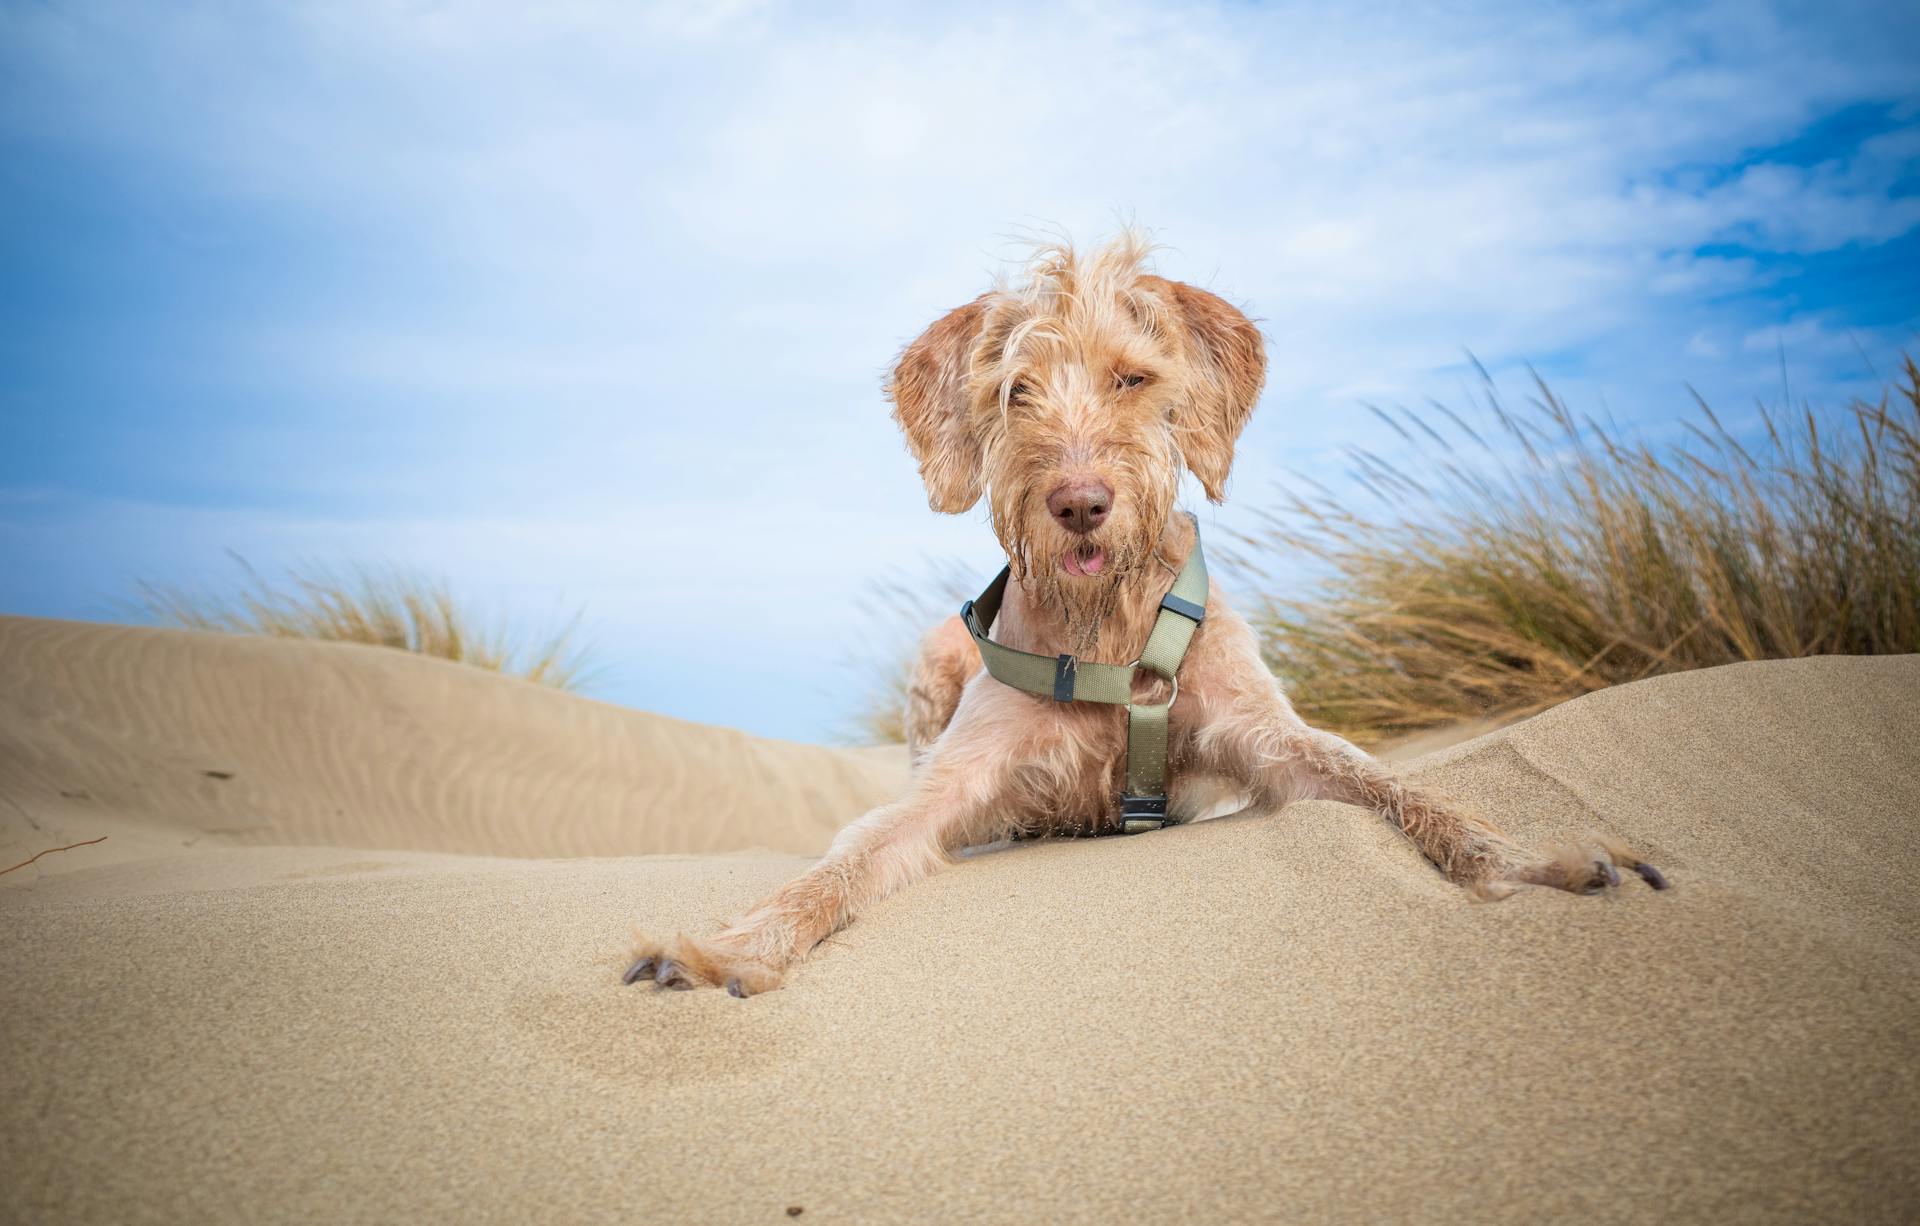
[{"x": 1085, "y": 563}]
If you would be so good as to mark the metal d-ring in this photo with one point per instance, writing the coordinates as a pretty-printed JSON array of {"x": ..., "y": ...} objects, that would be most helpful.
[{"x": 1170, "y": 678}]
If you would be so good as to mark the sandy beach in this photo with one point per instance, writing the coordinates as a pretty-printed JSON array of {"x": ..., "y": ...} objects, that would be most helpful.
[{"x": 351, "y": 952}]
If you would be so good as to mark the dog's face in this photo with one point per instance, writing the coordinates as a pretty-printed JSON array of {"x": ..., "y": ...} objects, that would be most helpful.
[{"x": 1073, "y": 401}]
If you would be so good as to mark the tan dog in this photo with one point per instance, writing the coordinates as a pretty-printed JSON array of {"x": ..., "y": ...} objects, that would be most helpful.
[{"x": 1073, "y": 401}]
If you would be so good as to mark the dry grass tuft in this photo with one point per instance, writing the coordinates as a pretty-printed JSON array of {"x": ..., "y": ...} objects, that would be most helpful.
[
  {"x": 1586, "y": 561},
  {"x": 383, "y": 607},
  {"x": 900, "y": 609}
]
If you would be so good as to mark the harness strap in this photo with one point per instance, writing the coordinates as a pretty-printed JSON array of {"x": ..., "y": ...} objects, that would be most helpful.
[{"x": 1064, "y": 678}]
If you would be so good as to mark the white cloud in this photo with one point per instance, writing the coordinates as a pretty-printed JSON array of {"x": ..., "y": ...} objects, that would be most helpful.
[
  {"x": 1702, "y": 345},
  {"x": 655, "y": 258}
]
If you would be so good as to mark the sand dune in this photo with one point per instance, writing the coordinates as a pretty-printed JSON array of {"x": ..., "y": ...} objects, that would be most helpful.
[
  {"x": 167, "y": 739},
  {"x": 1285, "y": 1017}
]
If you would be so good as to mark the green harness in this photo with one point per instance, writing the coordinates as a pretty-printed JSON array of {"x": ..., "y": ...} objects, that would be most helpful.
[{"x": 1143, "y": 805}]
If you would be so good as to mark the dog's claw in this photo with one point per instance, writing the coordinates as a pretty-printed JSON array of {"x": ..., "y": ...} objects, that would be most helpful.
[
  {"x": 1653, "y": 876},
  {"x": 688, "y": 964},
  {"x": 669, "y": 975}
]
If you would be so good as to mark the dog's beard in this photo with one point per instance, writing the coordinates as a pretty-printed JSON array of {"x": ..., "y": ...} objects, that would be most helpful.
[{"x": 1082, "y": 604}]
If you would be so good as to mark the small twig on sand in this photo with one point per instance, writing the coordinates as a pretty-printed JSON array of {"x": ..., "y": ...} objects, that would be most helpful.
[{"x": 49, "y": 851}]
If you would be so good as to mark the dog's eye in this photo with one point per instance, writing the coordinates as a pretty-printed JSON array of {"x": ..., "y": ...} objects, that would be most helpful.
[
  {"x": 1018, "y": 391},
  {"x": 1129, "y": 380}
]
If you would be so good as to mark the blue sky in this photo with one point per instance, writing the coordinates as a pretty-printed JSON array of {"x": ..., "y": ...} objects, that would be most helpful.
[{"x": 588, "y": 305}]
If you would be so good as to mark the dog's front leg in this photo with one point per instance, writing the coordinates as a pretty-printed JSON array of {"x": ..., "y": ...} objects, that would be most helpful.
[
  {"x": 951, "y": 805},
  {"x": 1252, "y": 733}
]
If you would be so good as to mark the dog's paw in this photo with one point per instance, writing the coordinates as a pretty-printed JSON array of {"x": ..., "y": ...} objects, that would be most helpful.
[
  {"x": 689, "y": 962},
  {"x": 1589, "y": 867}
]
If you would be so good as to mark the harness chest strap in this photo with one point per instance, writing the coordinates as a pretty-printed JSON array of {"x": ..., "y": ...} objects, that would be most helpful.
[{"x": 1143, "y": 806}]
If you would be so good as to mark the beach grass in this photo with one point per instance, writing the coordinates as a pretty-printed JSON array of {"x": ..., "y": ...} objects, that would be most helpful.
[
  {"x": 384, "y": 606},
  {"x": 900, "y": 607},
  {"x": 1545, "y": 554}
]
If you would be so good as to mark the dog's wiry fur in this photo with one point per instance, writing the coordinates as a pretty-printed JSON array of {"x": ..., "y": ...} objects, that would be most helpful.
[{"x": 1090, "y": 369}]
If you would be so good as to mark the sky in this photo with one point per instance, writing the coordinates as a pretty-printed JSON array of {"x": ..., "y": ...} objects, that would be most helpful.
[{"x": 588, "y": 306}]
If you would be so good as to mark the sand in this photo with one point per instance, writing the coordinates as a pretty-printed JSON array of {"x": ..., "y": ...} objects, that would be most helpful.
[
  {"x": 169, "y": 740},
  {"x": 1279, "y": 1017}
]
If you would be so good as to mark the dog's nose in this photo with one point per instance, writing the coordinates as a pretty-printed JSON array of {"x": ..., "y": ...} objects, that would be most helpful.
[{"x": 1080, "y": 506}]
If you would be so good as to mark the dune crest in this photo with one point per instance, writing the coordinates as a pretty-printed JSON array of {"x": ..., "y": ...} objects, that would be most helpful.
[{"x": 175, "y": 739}]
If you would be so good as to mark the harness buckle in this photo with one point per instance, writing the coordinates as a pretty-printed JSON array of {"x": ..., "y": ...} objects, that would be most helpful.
[{"x": 1139, "y": 814}]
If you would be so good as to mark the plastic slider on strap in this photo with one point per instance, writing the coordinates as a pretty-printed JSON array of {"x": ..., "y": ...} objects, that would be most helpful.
[
  {"x": 1063, "y": 678},
  {"x": 1185, "y": 608},
  {"x": 1139, "y": 814}
]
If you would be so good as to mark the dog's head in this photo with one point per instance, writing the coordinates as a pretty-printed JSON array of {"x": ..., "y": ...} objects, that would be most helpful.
[{"x": 1072, "y": 400}]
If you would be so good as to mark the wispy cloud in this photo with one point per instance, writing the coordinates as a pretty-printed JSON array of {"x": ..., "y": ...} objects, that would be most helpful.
[{"x": 601, "y": 294}]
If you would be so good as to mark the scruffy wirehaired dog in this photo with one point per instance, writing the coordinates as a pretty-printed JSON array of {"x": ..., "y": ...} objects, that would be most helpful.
[{"x": 1073, "y": 401}]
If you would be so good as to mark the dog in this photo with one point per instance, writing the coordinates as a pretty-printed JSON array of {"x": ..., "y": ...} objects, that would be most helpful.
[{"x": 1073, "y": 401}]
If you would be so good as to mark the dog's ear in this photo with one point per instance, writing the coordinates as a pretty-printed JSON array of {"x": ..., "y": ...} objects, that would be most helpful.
[
  {"x": 1228, "y": 360},
  {"x": 928, "y": 388}
]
